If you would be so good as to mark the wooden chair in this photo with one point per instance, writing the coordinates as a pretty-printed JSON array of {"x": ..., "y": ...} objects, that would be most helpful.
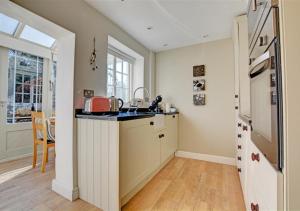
[{"x": 40, "y": 137}]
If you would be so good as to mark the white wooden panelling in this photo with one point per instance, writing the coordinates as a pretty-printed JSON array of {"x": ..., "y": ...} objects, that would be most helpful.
[{"x": 98, "y": 163}]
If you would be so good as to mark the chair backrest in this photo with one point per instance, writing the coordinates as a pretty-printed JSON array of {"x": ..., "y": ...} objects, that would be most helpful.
[{"x": 39, "y": 126}]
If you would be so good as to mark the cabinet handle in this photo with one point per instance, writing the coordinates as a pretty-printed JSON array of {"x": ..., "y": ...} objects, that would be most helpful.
[
  {"x": 255, "y": 157},
  {"x": 239, "y": 158},
  {"x": 254, "y": 207},
  {"x": 236, "y": 96},
  {"x": 239, "y": 170},
  {"x": 239, "y": 124},
  {"x": 161, "y": 135},
  {"x": 239, "y": 146},
  {"x": 245, "y": 128},
  {"x": 173, "y": 116},
  {"x": 239, "y": 135},
  {"x": 151, "y": 123},
  {"x": 236, "y": 107}
]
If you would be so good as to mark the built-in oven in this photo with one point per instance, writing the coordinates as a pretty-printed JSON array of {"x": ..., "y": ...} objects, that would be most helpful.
[{"x": 266, "y": 91}]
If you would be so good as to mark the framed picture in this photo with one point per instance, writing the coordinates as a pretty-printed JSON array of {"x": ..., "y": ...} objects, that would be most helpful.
[
  {"x": 199, "y": 99},
  {"x": 199, "y": 70},
  {"x": 198, "y": 85}
]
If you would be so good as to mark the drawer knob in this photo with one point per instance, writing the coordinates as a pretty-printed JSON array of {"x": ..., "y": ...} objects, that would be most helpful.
[
  {"x": 255, "y": 157},
  {"x": 151, "y": 123},
  {"x": 239, "y": 146},
  {"x": 173, "y": 116},
  {"x": 239, "y": 170},
  {"x": 254, "y": 207},
  {"x": 239, "y": 158},
  {"x": 245, "y": 128},
  {"x": 239, "y": 124},
  {"x": 239, "y": 135}
]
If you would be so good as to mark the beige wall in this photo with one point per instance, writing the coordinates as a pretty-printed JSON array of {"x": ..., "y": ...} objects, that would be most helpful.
[
  {"x": 205, "y": 129},
  {"x": 78, "y": 17},
  {"x": 290, "y": 34}
]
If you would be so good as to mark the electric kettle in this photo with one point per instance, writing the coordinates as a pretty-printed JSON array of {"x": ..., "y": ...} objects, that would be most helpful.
[{"x": 115, "y": 103}]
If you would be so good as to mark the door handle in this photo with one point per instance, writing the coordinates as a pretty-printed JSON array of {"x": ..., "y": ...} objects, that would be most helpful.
[{"x": 263, "y": 59}]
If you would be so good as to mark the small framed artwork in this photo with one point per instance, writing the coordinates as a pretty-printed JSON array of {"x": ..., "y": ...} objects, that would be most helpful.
[
  {"x": 199, "y": 99},
  {"x": 199, "y": 70},
  {"x": 198, "y": 85}
]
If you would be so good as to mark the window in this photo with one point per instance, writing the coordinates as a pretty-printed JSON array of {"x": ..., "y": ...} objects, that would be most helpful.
[
  {"x": 8, "y": 25},
  {"x": 25, "y": 86},
  {"x": 35, "y": 36},
  {"x": 119, "y": 70}
]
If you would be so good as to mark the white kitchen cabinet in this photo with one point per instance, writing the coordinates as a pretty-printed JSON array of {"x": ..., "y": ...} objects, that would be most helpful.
[{"x": 139, "y": 153}]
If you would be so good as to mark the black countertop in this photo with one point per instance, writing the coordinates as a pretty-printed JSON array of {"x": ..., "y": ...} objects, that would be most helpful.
[{"x": 119, "y": 116}]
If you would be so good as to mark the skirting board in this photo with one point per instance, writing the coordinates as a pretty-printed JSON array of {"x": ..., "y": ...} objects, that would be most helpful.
[
  {"x": 59, "y": 188},
  {"x": 205, "y": 157}
]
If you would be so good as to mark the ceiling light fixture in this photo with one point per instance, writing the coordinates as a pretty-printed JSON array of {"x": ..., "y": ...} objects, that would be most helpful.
[
  {"x": 205, "y": 36},
  {"x": 149, "y": 28},
  {"x": 165, "y": 45}
]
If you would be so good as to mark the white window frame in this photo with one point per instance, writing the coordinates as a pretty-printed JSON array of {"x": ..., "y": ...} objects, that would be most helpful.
[{"x": 125, "y": 57}]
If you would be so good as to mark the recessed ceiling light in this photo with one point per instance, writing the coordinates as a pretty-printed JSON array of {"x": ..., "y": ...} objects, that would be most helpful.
[
  {"x": 205, "y": 36},
  {"x": 165, "y": 45},
  {"x": 149, "y": 28}
]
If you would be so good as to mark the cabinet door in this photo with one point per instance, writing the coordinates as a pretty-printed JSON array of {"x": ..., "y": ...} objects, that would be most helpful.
[
  {"x": 154, "y": 152},
  {"x": 172, "y": 132},
  {"x": 165, "y": 149},
  {"x": 136, "y": 148},
  {"x": 262, "y": 181}
]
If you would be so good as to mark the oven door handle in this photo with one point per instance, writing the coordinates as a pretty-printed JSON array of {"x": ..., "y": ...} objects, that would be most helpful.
[{"x": 263, "y": 59}]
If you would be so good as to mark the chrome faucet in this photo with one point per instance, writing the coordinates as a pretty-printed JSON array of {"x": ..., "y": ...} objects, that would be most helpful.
[
  {"x": 147, "y": 92},
  {"x": 147, "y": 99}
]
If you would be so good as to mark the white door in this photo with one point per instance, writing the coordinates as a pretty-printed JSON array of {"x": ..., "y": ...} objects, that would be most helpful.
[{"x": 22, "y": 88}]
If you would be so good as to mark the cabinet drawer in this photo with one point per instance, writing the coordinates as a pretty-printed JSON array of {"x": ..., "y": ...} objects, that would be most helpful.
[{"x": 261, "y": 180}]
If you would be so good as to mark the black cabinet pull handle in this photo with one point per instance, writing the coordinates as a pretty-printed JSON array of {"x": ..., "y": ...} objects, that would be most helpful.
[
  {"x": 161, "y": 135},
  {"x": 239, "y": 170},
  {"x": 173, "y": 116},
  {"x": 239, "y": 146},
  {"x": 151, "y": 123},
  {"x": 245, "y": 128},
  {"x": 239, "y": 136},
  {"x": 239, "y": 124},
  {"x": 239, "y": 158}
]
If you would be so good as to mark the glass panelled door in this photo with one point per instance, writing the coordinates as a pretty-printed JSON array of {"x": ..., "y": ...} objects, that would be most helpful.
[{"x": 22, "y": 89}]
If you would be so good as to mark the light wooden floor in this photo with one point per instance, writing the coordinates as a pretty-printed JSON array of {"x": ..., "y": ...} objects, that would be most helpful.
[
  {"x": 183, "y": 185},
  {"x": 186, "y": 184},
  {"x": 23, "y": 188}
]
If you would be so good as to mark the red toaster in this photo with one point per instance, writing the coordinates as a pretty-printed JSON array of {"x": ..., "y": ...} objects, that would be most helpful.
[{"x": 96, "y": 104}]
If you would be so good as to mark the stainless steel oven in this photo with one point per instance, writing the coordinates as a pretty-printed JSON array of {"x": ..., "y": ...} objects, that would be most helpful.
[{"x": 266, "y": 90}]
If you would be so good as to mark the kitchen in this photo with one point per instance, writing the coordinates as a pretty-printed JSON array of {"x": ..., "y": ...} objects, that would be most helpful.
[{"x": 205, "y": 127}]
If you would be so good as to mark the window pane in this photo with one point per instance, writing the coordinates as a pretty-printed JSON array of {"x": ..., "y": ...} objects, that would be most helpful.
[
  {"x": 27, "y": 79},
  {"x": 7, "y": 24},
  {"x": 37, "y": 37},
  {"x": 125, "y": 67},
  {"x": 119, "y": 93},
  {"x": 19, "y": 88},
  {"x": 110, "y": 91},
  {"x": 126, "y": 95},
  {"x": 26, "y": 98},
  {"x": 19, "y": 78},
  {"x": 110, "y": 61},
  {"x": 118, "y": 79},
  {"x": 27, "y": 88},
  {"x": 110, "y": 77},
  {"x": 125, "y": 81},
  {"x": 18, "y": 98},
  {"x": 119, "y": 65}
]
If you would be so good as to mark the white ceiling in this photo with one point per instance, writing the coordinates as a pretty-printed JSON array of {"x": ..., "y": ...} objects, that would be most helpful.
[{"x": 176, "y": 23}]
